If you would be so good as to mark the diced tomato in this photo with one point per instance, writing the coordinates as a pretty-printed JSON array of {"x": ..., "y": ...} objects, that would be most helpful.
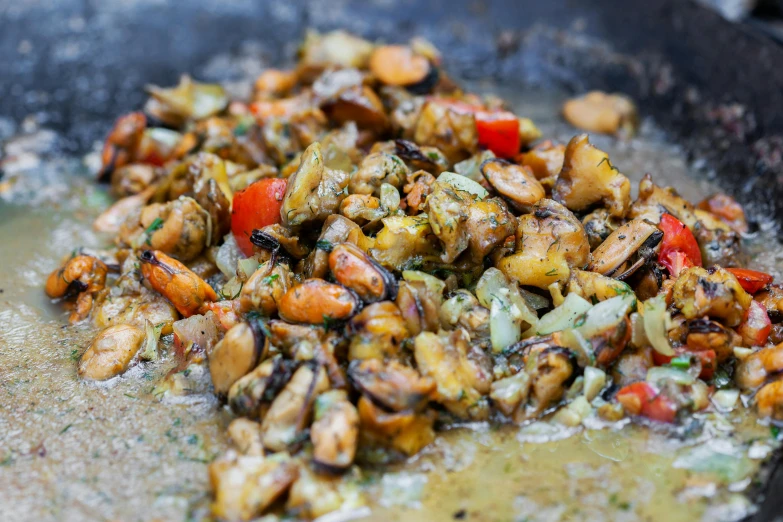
[
  {"x": 679, "y": 248},
  {"x": 707, "y": 358},
  {"x": 499, "y": 132},
  {"x": 256, "y": 206},
  {"x": 641, "y": 398},
  {"x": 751, "y": 280},
  {"x": 756, "y": 325}
]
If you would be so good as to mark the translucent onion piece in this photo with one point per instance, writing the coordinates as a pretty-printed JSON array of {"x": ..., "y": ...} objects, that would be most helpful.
[
  {"x": 463, "y": 183},
  {"x": 564, "y": 316},
  {"x": 656, "y": 324}
]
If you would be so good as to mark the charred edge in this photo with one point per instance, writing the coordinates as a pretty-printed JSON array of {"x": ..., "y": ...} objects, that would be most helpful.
[
  {"x": 263, "y": 240},
  {"x": 520, "y": 347},
  {"x": 647, "y": 250},
  {"x": 570, "y": 357},
  {"x": 391, "y": 287},
  {"x": 259, "y": 337},
  {"x": 282, "y": 370},
  {"x": 410, "y": 151},
  {"x": 328, "y": 469},
  {"x": 703, "y": 326},
  {"x": 105, "y": 173},
  {"x": 426, "y": 84}
]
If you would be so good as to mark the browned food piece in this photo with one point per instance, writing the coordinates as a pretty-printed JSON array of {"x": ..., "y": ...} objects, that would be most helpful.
[
  {"x": 452, "y": 131},
  {"x": 354, "y": 269},
  {"x": 599, "y": 225},
  {"x": 176, "y": 282},
  {"x": 244, "y": 486},
  {"x": 515, "y": 183},
  {"x": 315, "y": 301},
  {"x": 598, "y": 111},
  {"x": 489, "y": 224},
  {"x": 121, "y": 143},
  {"x": 626, "y": 249},
  {"x": 376, "y": 169},
  {"x": 81, "y": 275},
  {"x": 391, "y": 384},
  {"x": 769, "y": 400},
  {"x": 754, "y": 370},
  {"x": 727, "y": 210},
  {"x": 235, "y": 356},
  {"x": 632, "y": 366},
  {"x": 588, "y": 178},
  {"x": 291, "y": 411},
  {"x": 110, "y": 352},
  {"x": 549, "y": 242},
  {"x": 376, "y": 332},
  {"x": 546, "y": 161},
  {"x": 399, "y": 65},
  {"x": 265, "y": 288},
  {"x": 703, "y": 334},
  {"x": 335, "y": 230},
  {"x": 359, "y": 104},
  {"x": 274, "y": 82},
  {"x": 335, "y": 431},
  {"x": 772, "y": 299},
  {"x": 406, "y": 432},
  {"x": 463, "y": 383},
  {"x": 447, "y": 208},
  {"x": 716, "y": 293}
]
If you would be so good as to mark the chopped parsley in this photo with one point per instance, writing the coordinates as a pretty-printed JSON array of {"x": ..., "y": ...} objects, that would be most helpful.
[
  {"x": 683, "y": 362},
  {"x": 156, "y": 224},
  {"x": 268, "y": 280},
  {"x": 324, "y": 245},
  {"x": 551, "y": 272}
]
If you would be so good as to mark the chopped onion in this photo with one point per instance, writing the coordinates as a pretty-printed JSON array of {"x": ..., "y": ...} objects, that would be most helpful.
[
  {"x": 595, "y": 380},
  {"x": 742, "y": 353},
  {"x": 575, "y": 341},
  {"x": 231, "y": 288},
  {"x": 202, "y": 330},
  {"x": 150, "y": 350},
  {"x": 656, "y": 324},
  {"x": 228, "y": 255},
  {"x": 534, "y": 301},
  {"x": 433, "y": 284},
  {"x": 564, "y": 316},
  {"x": 606, "y": 314},
  {"x": 508, "y": 310},
  {"x": 246, "y": 268},
  {"x": 725, "y": 400},
  {"x": 463, "y": 183},
  {"x": 390, "y": 197},
  {"x": 662, "y": 373},
  {"x": 573, "y": 414},
  {"x": 638, "y": 337}
]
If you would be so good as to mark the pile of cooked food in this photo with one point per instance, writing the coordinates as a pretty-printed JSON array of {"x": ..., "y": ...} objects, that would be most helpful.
[{"x": 362, "y": 254}]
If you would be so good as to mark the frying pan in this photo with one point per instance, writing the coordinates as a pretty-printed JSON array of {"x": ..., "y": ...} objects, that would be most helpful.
[{"x": 715, "y": 86}]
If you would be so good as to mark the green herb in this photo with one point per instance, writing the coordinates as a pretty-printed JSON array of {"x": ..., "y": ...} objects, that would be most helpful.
[
  {"x": 609, "y": 162},
  {"x": 774, "y": 431},
  {"x": 324, "y": 245},
  {"x": 155, "y": 225},
  {"x": 177, "y": 421},
  {"x": 129, "y": 395},
  {"x": 66, "y": 428},
  {"x": 594, "y": 299},
  {"x": 683, "y": 362},
  {"x": 268, "y": 280},
  {"x": 193, "y": 439},
  {"x": 7, "y": 460},
  {"x": 551, "y": 272},
  {"x": 74, "y": 354},
  {"x": 722, "y": 378},
  {"x": 580, "y": 321},
  {"x": 433, "y": 156},
  {"x": 329, "y": 322}
]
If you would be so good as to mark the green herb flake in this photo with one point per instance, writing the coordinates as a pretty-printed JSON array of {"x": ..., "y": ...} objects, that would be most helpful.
[
  {"x": 74, "y": 354},
  {"x": 66, "y": 428},
  {"x": 324, "y": 245},
  {"x": 683, "y": 362},
  {"x": 268, "y": 280},
  {"x": 774, "y": 431},
  {"x": 551, "y": 272}
]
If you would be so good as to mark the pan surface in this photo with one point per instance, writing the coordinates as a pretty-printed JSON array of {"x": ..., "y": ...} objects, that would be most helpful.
[{"x": 112, "y": 452}]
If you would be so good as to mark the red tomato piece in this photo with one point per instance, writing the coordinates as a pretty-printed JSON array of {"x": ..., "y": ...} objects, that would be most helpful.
[
  {"x": 707, "y": 358},
  {"x": 256, "y": 206},
  {"x": 499, "y": 132},
  {"x": 756, "y": 325},
  {"x": 677, "y": 238},
  {"x": 751, "y": 280},
  {"x": 641, "y": 398}
]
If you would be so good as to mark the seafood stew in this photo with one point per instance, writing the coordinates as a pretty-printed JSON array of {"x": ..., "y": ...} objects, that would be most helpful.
[{"x": 364, "y": 255}]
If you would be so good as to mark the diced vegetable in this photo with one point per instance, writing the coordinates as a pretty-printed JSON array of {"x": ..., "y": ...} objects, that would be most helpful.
[
  {"x": 463, "y": 183},
  {"x": 499, "y": 132},
  {"x": 656, "y": 324},
  {"x": 595, "y": 380},
  {"x": 256, "y": 207},
  {"x": 564, "y": 316},
  {"x": 756, "y": 325},
  {"x": 508, "y": 309},
  {"x": 725, "y": 400},
  {"x": 641, "y": 398},
  {"x": 659, "y": 374},
  {"x": 751, "y": 280},
  {"x": 679, "y": 248},
  {"x": 574, "y": 413}
]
